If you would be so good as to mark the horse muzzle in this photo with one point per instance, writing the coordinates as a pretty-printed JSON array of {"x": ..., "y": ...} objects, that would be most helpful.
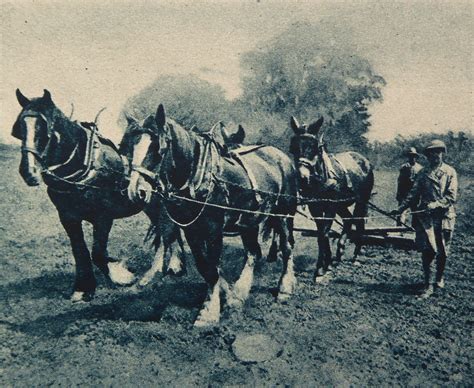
[
  {"x": 304, "y": 173},
  {"x": 30, "y": 174},
  {"x": 139, "y": 189}
]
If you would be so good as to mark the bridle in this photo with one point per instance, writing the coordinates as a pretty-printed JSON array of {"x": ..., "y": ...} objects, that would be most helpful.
[
  {"x": 309, "y": 163},
  {"x": 194, "y": 181},
  {"x": 49, "y": 134},
  {"x": 78, "y": 177},
  {"x": 165, "y": 142}
]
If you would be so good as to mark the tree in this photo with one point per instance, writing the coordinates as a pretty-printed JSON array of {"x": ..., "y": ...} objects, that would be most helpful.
[
  {"x": 304, "y": 72},
  {"x": 187, "y": 99}
]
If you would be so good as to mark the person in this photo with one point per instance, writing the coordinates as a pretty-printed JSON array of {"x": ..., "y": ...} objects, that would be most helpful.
[
  {"x": 406, "y": 178},
  {"x": 433, "y": 195}
]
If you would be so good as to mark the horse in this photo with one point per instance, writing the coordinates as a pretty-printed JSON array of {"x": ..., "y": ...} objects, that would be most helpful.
[
  {"x": 85, "y": 176},
  {"x": 330, "y": 184},
  {"x": 209, "y": 194}
]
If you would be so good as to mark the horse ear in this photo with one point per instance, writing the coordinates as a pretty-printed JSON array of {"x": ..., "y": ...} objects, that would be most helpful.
[
  {"x": 130, "y": 119},
  {"x": 240, "y": 135},
  {"x": 224, "y": 132},
  {"x": 314, "y": 128},
  {"x": 47, "y": 95},
  {"x": 22, "y": 100},
  {"x": 160, "y": 116},
  {"x": 295, "y": 125}
]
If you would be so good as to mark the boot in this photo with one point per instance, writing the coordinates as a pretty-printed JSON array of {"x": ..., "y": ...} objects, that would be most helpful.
[
  {"x": 440, "y": 282},
  {"x": 428, "y": 290}
]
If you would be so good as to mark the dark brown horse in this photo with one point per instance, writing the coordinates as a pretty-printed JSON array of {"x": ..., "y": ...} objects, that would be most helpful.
[
  {"x": 201, "y": 186},
  {"x": 332, "y": 183},
  {"x": 85, "y": 176}
]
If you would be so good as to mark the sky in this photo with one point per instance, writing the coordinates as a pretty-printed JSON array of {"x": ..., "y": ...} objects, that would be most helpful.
[{"x": 97, "y": 54}]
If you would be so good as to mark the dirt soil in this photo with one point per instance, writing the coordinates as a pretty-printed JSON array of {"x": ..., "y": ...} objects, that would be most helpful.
[{"x": 364, "y": 327}]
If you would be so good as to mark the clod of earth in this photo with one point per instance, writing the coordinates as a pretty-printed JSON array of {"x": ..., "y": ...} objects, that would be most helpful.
[{"x": 255, "y": 348}]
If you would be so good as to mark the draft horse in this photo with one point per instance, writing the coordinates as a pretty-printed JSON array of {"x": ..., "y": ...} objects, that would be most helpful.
[
  {"x": 352, "y": 181},
  {"x": 85, "y": 177},
  {"x": 203, "y": 189}
]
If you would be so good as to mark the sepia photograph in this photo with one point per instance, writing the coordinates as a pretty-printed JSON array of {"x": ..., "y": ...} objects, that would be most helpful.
[{"x": 236, "y": 193}]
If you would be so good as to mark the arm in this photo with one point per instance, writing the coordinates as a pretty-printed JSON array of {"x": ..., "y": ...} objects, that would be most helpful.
[
  {"x": 412, "y": 197},
  {"x": 449, "y": 195},
  {"x": 401, "y": 190}
]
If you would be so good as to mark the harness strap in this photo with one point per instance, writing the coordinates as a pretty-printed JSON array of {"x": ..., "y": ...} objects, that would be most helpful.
[
  {"x": 250, "y": 175},
  {"x": 144, "y": 171},
  {"x": 200, "y": 168},
  {"x": 31, "y": 150},
  {"x": 344, "y": 170},
  {"x": 126, "y": 165},
  {"x": 87, "y": 172},
  {"x": 56, "y": 166}
]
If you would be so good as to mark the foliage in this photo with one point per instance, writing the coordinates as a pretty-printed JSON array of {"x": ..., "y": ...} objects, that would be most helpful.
[
  {"x": 188, "y": 99},
  {"x": 460, "y": 147},
  {"x": 304, "y": 73}
]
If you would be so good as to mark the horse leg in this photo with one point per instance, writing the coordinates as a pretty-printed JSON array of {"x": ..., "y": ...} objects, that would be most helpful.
[
  {"x": 171, "y": 236},
  {"x": 341, "y": 243},
  {"x": 273, "y": 252},
  {"x": 207, "y": 249},
  {"x": 361, "y": 210},
  {"x": 242, "y": 286},
  {"x": 85, "y": 283},
  {"x": 156, "y": 266},
  {"x": 288, "y": 280},
  {"x": 115, "y": 272},
  {"x": 290, "y": 222},
  {"x": 324, "y": 254}
]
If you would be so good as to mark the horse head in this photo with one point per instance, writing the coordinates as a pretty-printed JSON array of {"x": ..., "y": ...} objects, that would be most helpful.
[
  {"x": 232, "y": 139},
  {"x": 306, "y": 146},
  {"x": 36, "y": 130},
  {"x": 145, "y": 145}
]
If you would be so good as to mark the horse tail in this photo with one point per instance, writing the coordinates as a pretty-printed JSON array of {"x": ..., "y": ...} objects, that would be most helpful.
[
  {"x": 370, "y": 185},
  {"x": 271, "y": 227},
  {"x": 274, "y": 226},
  {"x": 361, "y": 209},
  {"x": 267, "y": 228}
]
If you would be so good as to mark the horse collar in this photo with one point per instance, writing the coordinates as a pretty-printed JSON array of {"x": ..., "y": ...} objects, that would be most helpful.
[
  {"x": 199, "y": 167},
  {"x": 86, "y": 172}
]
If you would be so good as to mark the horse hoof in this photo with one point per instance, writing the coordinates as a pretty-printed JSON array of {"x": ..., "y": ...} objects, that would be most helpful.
[
  {"x": 272, "y": 257},
  {"x": 176, "y": 273},
  {"x": 323, "y": 279},
  {"x": 82, "y": 296},
  {"x": 202, "y": 322},
  {"x": 135, "y": 289},
  {"x": 142, "y": 283},
  {"x": 283, "y": 297},
  {"x": 235, "y": 303},
  {"x": 120, "y": 275}
]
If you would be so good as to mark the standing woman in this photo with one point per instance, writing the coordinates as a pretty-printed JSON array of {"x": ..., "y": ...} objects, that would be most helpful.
[{"x": 434, "y": 195}]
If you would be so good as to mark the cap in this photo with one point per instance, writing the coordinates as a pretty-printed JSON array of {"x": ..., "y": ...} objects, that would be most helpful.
[
  {"x": 436, "y": 145},
  {"x": 411, "y": 151}
]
